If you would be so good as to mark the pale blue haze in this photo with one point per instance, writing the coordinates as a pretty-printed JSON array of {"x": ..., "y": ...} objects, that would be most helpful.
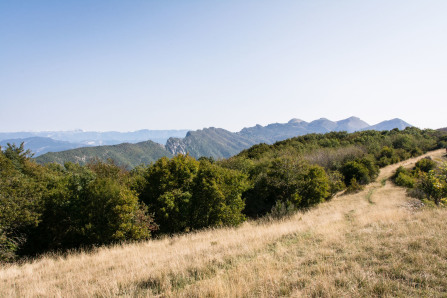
[{"x": 129, "y": 65}]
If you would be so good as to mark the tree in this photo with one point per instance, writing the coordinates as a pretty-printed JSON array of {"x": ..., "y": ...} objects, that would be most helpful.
[
  {"x": 315, "y": 187},
  {"x": 21, "y": 190},
  {"x": 217, "y": 197},
  {"x": 89, "y": 205},
  {"x": 168, "y": 191},
  {"x": 280, "y": 181},
  {"x": 186, "y": 194}
]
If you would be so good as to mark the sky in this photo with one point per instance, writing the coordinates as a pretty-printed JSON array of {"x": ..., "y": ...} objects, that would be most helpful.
[{"x": 130, "y": 65}]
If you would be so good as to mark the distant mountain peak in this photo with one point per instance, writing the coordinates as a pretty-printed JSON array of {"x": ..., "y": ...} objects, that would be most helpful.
[
  {"x": 390, "y": 124},
  {"x": 295, "y": 120}
]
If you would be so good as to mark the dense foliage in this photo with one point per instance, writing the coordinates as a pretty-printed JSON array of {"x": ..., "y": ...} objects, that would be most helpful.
[
  {"x": 426, "y": 181},
  {"x": 58, "y": 207},
  {"x": 186, "y": 194}
]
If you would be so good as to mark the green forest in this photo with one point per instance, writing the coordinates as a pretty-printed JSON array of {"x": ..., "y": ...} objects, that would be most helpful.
[{"x": 53, "y": 207}]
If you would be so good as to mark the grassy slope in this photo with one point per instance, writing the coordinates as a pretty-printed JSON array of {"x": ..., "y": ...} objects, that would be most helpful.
[{"x": 373, "y": 243}]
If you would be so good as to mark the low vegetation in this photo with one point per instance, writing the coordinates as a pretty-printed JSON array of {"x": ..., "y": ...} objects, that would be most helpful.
[{"x": 426, "y": 181}]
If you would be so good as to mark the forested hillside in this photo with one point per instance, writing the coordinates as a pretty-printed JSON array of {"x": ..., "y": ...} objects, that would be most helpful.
[
  {"x": 58, "y": 207},
  {"x": 126, "y": 154},
  {"x": 210, "y": 142}
]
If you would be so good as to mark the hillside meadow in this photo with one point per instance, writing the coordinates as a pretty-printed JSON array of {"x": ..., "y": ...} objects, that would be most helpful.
[{"x": 377, "y": 242}]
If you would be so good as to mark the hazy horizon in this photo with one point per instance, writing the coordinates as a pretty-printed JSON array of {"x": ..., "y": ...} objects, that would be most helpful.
[
  {"x": 187, "y": 129},
  {"x": 127, "y": 66}
]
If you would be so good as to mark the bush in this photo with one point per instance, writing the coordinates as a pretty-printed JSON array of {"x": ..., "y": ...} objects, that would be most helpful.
[
  {"x": 426, "y": 165},
  {"x": 387, "y": 156},
  {"x": 404, "y": 177},
  {"x": 354, "y": 187},
  {"x": 434, "y": 186},
  {"x": 282, "y": 209},
  {"x": 355, "y": 171},
  {"x": 336, "y": 183},
  {"x": 405, "y": 180}
]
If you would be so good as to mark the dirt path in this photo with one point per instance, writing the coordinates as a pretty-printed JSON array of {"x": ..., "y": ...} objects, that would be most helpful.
[{"x": 388, "y": 171}]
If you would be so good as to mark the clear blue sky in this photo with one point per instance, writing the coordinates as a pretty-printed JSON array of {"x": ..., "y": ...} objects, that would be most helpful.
[{"x": 128, "y": 65}]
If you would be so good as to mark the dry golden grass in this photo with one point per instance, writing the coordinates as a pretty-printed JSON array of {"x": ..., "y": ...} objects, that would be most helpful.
[{"x": 373, "y": 243}]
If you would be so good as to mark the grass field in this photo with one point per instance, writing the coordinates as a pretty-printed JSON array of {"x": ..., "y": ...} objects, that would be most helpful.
[{"x": 377, "y": 242}]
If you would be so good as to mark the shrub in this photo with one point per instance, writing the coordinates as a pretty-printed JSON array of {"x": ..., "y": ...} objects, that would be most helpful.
[
  {"x": 387, "y": 156},
  {"x": 404, "y": 177},
  {"x": 405, "y": 180},
  {"x": 355, "y": 171},
  {"x": 434, "y": 186},
  {"x": 426, "y": 165},
  {"x": 336, "y": 183},
  {"x": 354, "y": 186},
  {"x": 282, "y": 209}
]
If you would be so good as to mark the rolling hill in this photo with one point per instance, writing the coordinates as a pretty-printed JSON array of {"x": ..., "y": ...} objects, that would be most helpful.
[{"x": 127, "y": 155}]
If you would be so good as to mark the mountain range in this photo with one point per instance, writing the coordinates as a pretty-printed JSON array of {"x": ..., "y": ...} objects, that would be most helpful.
[
  {"x": 95, "y": 138},
  {"x": 220, "y": 143},
  {"x": 214, "y": 142},
  {"x": 42, "y": 145}
]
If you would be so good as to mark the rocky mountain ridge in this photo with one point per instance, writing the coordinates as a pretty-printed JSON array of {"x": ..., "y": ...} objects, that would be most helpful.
[
  {"x": 214, "y": 142},
  {"x": 221, "y": 143}
]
